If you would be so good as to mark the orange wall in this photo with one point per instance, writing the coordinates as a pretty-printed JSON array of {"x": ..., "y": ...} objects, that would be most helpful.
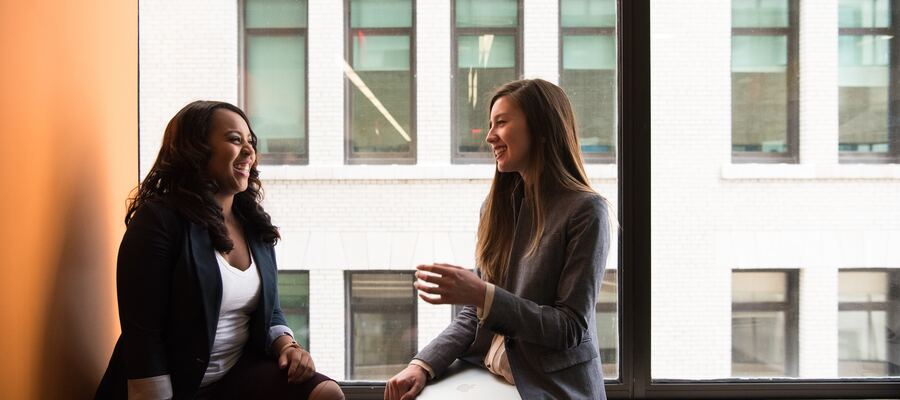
[{"x": 68, "y": 158}]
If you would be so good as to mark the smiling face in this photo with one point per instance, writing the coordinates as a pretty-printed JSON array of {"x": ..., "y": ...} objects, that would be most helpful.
[
  {"x": 232, "y": 152},
  {"x": 509, "y": 137}
]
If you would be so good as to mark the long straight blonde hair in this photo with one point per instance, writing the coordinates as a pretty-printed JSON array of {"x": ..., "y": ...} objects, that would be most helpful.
[{"x": 554, "y": 164}]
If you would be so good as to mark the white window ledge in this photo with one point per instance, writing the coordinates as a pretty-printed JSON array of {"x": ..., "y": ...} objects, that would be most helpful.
[
  {"x": 811, "y": 172},
  {"x": 402, "y": 172}
]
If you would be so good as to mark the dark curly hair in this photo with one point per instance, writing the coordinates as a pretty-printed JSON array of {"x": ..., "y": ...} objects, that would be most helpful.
[{"x": 179, "y": 179}]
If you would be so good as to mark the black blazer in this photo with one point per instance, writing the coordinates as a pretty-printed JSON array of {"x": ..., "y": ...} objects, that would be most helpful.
[{"x": 169, "y": 293}]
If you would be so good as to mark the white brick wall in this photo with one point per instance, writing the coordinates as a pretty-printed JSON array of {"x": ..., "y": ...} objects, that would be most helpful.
[{"x": 708, "y": 216}]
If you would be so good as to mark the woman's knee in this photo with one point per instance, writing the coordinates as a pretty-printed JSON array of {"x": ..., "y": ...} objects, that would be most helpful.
[{"x": 328, "y": 390}]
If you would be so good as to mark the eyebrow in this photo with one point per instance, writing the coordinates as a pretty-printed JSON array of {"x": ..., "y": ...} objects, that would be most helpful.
[{"x": 500, "y": 115}]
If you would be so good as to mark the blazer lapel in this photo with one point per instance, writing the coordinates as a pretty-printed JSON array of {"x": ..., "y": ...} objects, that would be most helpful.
[
  {"x": 267, "y": 278},
  {"x": 209, "y": 279}
]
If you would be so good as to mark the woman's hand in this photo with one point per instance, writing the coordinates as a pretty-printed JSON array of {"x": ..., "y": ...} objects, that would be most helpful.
[
  {"x": 455, "y": 285},
  {"x": 299, "y": 364},
  {"x": 406, "y": 385}
]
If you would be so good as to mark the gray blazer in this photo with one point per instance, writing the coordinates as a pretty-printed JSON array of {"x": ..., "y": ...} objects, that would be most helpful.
[{"x": 545, "y": 307}]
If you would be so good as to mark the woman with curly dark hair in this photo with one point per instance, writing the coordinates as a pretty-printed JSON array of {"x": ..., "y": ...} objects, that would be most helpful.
[{"x": 196, "y": 275}]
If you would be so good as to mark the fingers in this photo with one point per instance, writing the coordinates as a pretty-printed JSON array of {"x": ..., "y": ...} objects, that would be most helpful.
[
  {"x": 432, "y": 299},
  {"x": 308, "y": 369},
  {"x": 282, "y": 360},
  {"x": 292, "y": 371},
  {"x": 440, "y": 290},
  {"x": 413, "y": 389}
]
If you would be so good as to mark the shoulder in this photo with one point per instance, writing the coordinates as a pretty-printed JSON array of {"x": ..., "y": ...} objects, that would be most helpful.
[
  {"x": 582, "y": 204},
  {"x": 156, "y": 214}
]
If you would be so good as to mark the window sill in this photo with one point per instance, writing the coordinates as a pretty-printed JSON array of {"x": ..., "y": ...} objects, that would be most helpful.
[
  {"x": 402, "y": 172},
  {"x": 739, "y": 172}
]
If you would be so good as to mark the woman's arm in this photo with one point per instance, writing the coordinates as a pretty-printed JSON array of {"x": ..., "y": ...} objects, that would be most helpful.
[
  {"x": 451, "y": 343},
  {"x": 144, "y": 275},
  {"x": 564, "y": 324}
]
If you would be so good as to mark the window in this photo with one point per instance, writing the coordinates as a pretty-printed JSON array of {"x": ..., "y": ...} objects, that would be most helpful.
[
  {"x": 274, "y": 84},
  {"x": 487, "y": 53},
  {"x": 293, "y": 292},
  {"x": 608, "y": 324},
  {"x": 865, "y": 73},
  {"x": 869, "y": 323},
  {"x": 380, "y": 84},
  {"x": 588, "y": 73},
  {"x": 764, "y": 83},
  {"x": 764, "y": 323},
  {"x": 381, "y": 335}
]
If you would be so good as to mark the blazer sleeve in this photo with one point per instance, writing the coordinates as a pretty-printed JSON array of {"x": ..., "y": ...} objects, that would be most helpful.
[
  {"x": 564, "y": 324},
  {"x": 278, "y": 324},
  {"x": 451, "y": 343},
  {"x": 144, "y": 274}
]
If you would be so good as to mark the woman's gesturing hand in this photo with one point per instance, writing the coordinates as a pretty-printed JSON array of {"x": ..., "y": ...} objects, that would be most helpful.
[{"x": 454, "y": 285}]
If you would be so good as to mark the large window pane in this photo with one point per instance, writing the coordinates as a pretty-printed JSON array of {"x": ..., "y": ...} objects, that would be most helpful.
[
  {"x": 293, "y": 292},
  {"x": 588, "y": 73},
  {"x": 381, "y": 83},
  {"x": 486, "y": 53},
  {"x": 382, "y": 310},
  {"x": 869, "y": 323},
  {"x": 275, "y": 78}
]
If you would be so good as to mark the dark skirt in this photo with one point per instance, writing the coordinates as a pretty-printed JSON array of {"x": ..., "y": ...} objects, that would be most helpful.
[{"x": 257, "y": 377}]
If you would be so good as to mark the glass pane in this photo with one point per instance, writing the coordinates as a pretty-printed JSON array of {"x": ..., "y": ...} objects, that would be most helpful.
[
  {"x": 864, "y": 13},
  {"x": 587, "y": 13},
  {"x": 275, "y": 14},
  {"x": 589, "y": 78},
  {"x": 863, "y": 77},
  {"x": 608, "y": 324},
  {"x": 484, "y": 63},
  {"x": 293, "y": 293},
  {"x": 758, "y": 344},
  {"x": 276, "y": 93},
  {"x": 487, "y": 13},
  {"x": 756, "y": 287},
  {"x": 383, "y": 308},
  {"x": 381, "y": 13},
  {"x": 759, "y": 93},
  {"x": 759, "y": 13},
  {"x": 380, "y": 120},
  {"x": 863, "y": 287}
]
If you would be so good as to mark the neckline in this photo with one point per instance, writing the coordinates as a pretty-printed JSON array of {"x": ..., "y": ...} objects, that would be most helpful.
[{"x": 223, "y": 260}]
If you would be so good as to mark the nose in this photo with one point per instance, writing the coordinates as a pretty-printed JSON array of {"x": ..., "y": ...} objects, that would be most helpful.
[{"x": 491, "y": 137}]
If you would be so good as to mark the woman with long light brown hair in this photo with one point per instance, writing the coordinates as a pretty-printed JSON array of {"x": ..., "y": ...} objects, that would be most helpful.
[{"x": 542, "y": 244}]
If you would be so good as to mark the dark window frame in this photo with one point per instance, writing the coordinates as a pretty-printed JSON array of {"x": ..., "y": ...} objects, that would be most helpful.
[
  {"x": 791, "y": 32},
  {"x": 893, "y": 314},
  {"x": 405, "y": 158},
  {"x": 244, "y": 32},
  {"x": 635, "y": 249},
  {"x": 589, "y": 158},
  {"x": 893, "y": 123},
  {"x": 791, "y": 309},
  {"x": 456, "y": 156},
  {"x": 350, "y": 307}
]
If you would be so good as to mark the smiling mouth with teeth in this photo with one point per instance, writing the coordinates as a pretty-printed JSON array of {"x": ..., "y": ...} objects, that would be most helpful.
[
  {"x": 243, "y": 168},
  {"x": 499, "y": 151}
]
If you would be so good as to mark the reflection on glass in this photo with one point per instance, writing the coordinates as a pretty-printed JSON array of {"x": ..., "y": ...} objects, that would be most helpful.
[
  {"x": 486, "y": 54},
  {"x": 864, "y": 47},
  {"x": 868, "y": 318},
  {"x": 293, "y": 293},
  {"x": 763, "y": 325},
  {"x": 382, "y": 308},
  {"x": 275, "y": 78},
  {"x": 380, "y": 81},
  {"x": 588, "y": 72}
]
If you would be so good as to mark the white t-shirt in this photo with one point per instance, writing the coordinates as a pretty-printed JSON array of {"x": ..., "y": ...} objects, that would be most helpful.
[{"x": 240, "y": 295}]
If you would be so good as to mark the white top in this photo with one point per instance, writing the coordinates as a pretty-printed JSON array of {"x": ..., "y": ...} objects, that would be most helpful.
[{"x": 240, "y": 295}]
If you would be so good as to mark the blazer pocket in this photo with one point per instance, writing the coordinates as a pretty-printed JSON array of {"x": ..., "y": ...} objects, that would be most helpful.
[{"x": 559, "y": 360}]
